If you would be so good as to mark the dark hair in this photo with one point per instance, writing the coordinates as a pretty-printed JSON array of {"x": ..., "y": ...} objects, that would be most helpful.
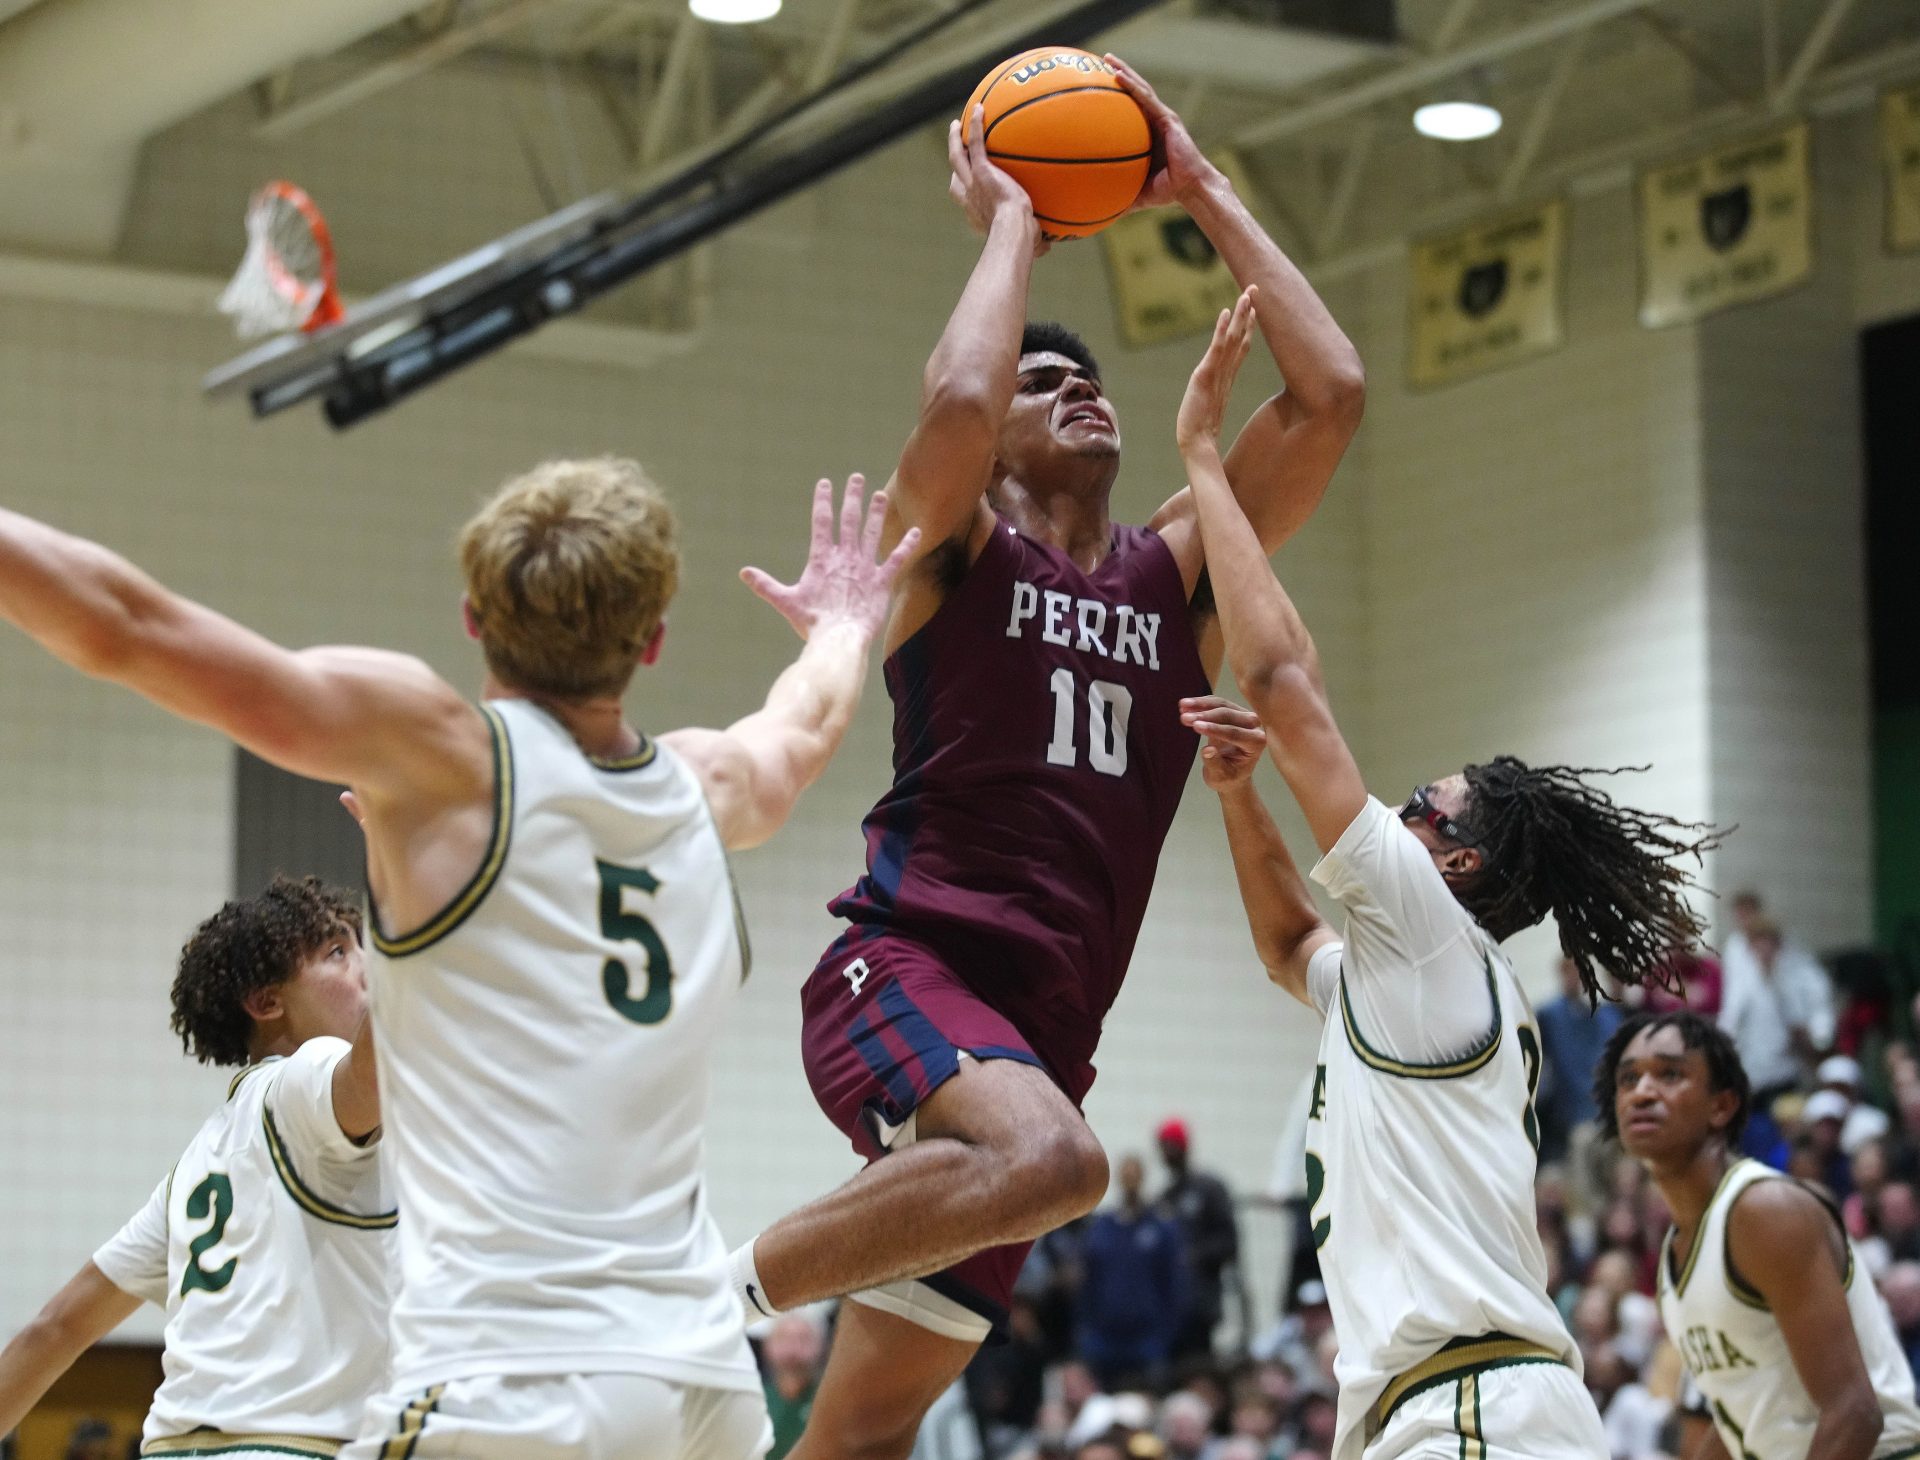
[
  {"x": 1724, "y": 1070},
  {"x": 1046, "y": 337},
  {"x": 1609, "y": 874},
  {"x": 250, "y": 945}
]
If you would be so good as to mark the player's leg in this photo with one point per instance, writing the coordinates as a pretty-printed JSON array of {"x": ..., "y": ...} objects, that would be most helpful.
[
  {"x": 1000, "y": 1156},
  {"x": 527, "y": 1417},
  {"x": 725, "y": 1424},
  {"x": 882, "y": 1376}
]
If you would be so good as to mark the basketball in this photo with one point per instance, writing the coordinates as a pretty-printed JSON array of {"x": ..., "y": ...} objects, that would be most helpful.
[{"x": 1059, "y": 121}]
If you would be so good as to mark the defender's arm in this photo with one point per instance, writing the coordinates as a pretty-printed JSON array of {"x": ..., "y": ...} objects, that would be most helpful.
[
  {"x": 360, "y": 716},
  {"x": 1789, "y": 1247},
  {"x": 1287, "y": 928},
  {"x": 1273, "y": 657},
  {"x": 754, "y": 771},
  {"x": 77, "y": 1317}
]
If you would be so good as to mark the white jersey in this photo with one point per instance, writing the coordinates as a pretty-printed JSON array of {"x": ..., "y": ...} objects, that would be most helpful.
[
  {"x": 269, "y": 1246},
  {"x": 545, "y": 1046},
  {"x": 1739, "y": 1359},
  {"x": 1421, "y": 1160}
]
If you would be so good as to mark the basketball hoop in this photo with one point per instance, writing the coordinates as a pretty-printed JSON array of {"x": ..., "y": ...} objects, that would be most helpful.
[{"x": 286, "y": 280}]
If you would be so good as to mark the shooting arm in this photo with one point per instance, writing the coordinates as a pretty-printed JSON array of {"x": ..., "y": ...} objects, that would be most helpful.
[
  {"x": 358, "y": 716},
  {"x": 356, "y": 1086},
  {"x": 1788, "y": 1246},
  {"x": 82, "y": 1313}
]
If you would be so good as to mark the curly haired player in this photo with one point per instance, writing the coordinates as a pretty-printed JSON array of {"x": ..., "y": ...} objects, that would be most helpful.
[
  {"x": 268, "y": 1243},
  {"x": 1760, "y": 1287},
  {"x": 1421, "y": 1142}
]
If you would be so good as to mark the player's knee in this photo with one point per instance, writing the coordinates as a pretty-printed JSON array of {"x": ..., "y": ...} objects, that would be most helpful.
[
  {"x": 1070, "y": 1166},
  {"x": 878, "y": 1433}
]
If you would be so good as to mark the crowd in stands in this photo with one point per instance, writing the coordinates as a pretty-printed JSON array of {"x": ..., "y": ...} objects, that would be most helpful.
[{"x": 1112, "y": 1349}]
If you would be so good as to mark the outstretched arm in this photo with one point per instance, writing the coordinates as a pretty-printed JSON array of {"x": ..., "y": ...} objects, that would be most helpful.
[
  {"x": 1287, "y": 927},
  {"x": 969, "y": 379},
  {"x": 1274, "y": 661},
  {"x": 77, "y": 1317},
  {"x": 1281, "y": 462},
  {"x": 754, "y": 770},
  {"x": 364, "y": 717},
  {"x": 1789, "y": 1247}
]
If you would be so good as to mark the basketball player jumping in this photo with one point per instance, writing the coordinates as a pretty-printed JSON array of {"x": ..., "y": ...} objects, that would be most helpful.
[
  {"x": 1760, "y": 1286},
  {"x": 269, "y": 1242},
  {"x": 1037, "y": 655},
  {"x": 1421, "y": 1141},
  {"x": 555, "y": 941}
]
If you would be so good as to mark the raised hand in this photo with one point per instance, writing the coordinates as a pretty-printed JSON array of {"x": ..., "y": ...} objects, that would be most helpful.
[
  {"x": 1233, "y": 739},
  {"x": 842, "y": 583},
  {"x": 1204, "y": 406},
  {"x": 978, "y": 186},
  {"x": 1179, "y": 167}
]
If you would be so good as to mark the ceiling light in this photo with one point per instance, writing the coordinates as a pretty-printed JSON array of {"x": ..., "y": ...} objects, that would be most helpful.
[
  {"x": 734, "y": 12},
  {"x": 1456, "y": 121}
]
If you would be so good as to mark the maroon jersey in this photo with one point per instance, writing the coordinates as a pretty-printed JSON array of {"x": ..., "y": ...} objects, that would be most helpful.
[{"x": 1038, "y": 759}]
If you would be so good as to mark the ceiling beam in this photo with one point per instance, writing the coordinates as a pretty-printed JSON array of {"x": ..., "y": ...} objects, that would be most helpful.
[
  {"x": 1346, "y": 189},
  {"x": 1453, "y": 24},
  {"x": 416, "y": 62},
  {"x": 1691, "y": 52},
  {"x": 669, "y": 96},
  {"x": 1401, "y": 80},
  {"x": 1812, "y": 52},
  {"x": 1533, "y": 132}
]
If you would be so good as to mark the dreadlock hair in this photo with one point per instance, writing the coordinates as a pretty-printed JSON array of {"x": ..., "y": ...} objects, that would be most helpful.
[
  {"x": 250, "y": 945},
  {"x": 1046, "y": 337},
  {"x": 1724, "y": 1070},
  {"x": 1610, "y": 875}
]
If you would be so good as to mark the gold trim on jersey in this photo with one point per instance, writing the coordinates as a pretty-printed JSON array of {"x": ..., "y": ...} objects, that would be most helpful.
[
  {"x": 470, "y": 896},
  {"x": 1466, "y": 1064},
  {"x": 1460, "y": 1360},
  {"x": 639, "y": 760},
  {"x": 1466, "y": 1419},
  {"x": 311, "y": 1201},
  {"x": 217, "y": 1442},
  {"x": 233, "y": 1085},
  {"x": 1743, "y": 1291},
  {"x": 413, "y": 1419},
  {"x": 1678, "y": 1284}
]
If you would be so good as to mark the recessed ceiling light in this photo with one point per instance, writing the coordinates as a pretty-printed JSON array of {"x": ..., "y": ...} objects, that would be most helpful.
[
  {"x": 1456, "y": 121},
  {"x": 734, "y": 12}
]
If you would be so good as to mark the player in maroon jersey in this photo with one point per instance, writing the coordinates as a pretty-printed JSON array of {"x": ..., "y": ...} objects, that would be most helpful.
[{"x": 1037, "y": 656}]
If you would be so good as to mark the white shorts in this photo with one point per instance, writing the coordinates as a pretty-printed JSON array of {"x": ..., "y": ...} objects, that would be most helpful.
[
  {"x": 564, "y": 1417},
  {"x": 1531, "y": 1411}
]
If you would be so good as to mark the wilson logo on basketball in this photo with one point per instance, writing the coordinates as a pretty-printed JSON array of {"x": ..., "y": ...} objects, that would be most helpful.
[{"x": 1066, "y": 60}]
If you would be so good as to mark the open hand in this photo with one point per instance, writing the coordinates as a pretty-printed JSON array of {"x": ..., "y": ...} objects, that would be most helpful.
[
  {"x": 978, "y": 186},
  {"x": 1233, "y": 739},
  {"x": 842, "y": 583},
  {"x": 1179, "y": 168},
  {"x": 1204, "y": 407}
]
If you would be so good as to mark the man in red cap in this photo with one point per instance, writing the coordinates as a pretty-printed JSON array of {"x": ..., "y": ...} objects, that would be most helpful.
[{"x": 1204, "y": 1209}]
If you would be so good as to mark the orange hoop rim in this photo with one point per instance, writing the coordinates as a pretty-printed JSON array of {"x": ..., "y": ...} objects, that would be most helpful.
[{"x": 328, "y": 310}]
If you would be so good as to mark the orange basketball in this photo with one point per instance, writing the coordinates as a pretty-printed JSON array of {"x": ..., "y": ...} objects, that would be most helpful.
[{"x": 1060, "y": 122}]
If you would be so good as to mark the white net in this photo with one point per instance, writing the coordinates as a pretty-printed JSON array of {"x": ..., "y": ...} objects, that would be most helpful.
[{"x": 281, "y": 280}]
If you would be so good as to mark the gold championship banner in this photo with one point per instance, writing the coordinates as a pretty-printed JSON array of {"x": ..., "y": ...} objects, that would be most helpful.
[
  {"x": 1900, "y": 146},
  {"x": 1727, "y": 227},
  {"x": 1487, "y": 296},
  {"x": 1167, "y": 279}
]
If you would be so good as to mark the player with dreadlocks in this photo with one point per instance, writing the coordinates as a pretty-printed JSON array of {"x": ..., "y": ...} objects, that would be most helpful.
[
  {"x": 1421, "y": 1142},
  {"x": 268, "y": 1243},
  {"x": 1760, "y": 1286}
]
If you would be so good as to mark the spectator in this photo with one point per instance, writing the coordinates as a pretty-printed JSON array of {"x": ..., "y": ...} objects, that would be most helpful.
[
  {"x": 1006, "y": 1381},
  {"x": 1869, "y": 1175},
  {"x": 790, "y": 1374},
  {"x": 90, "y": 1439},
  {"x": 1572, "y": 1035},
  {"x": 1701, "y": 982},
  {"x": 1294, "y": 1339},
  {"x": 1186, "y": 1426},
  {"x": 1317, "y": 1415},
  {"x": 1131, "y": 1292},
  {"x": 1821, "y": 1120},
  {"x": 1902, "y": 1292},
  {"x": 1841, "y": 1074},
  {"x": 1632, "y": 1416},
  {"x": 1204, "y": 1209},
  {"x": 1899, "y": 1214},
  {"x": 1778, "y": 1005}
]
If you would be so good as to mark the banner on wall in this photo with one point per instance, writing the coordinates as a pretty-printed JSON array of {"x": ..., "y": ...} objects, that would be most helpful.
[
  {"x": 1168, "y": 280},
  {"x": 1900, "y": 146},
  {"x": 1730, "y": 226},
  {"x": 1487, "y": 296}
]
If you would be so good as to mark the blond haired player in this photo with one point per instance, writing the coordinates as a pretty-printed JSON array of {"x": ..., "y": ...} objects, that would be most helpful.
[
  {"x": 269, "y": 1241},
  {"x": 1421, "y": 1138},
  {"x": 554, "y": 939}
]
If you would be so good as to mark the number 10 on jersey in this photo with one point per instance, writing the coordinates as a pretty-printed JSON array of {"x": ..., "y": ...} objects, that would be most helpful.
[{"x": 1109, "y": 706}]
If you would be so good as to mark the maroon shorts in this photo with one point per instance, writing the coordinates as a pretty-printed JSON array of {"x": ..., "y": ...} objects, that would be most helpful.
[{"x": 884, "y": 1021}]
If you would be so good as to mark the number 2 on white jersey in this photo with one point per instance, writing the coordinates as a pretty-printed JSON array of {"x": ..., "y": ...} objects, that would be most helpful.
[{"x": 1109, "y": 707}]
